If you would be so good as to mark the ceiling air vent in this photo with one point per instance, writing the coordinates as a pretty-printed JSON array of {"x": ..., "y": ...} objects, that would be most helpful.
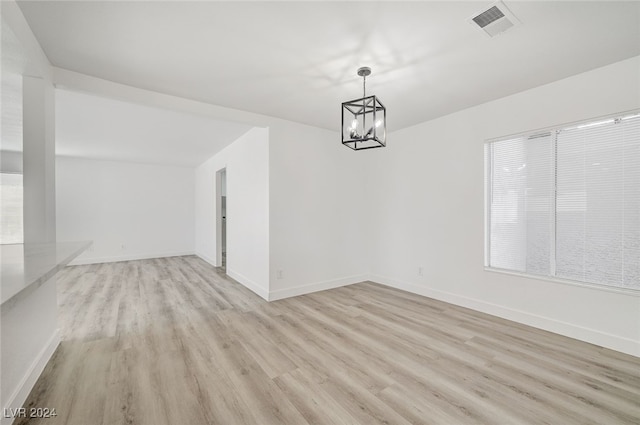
[{"x": 495, "y": 19}]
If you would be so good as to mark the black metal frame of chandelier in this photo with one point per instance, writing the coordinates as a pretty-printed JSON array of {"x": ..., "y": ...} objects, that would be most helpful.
[{"x": 363, "y": 106}]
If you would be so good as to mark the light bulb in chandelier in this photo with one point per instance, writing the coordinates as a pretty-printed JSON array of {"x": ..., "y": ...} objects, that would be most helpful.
[
  {"x": 353, "y": 130},
  {"x": 370, "y": 131}
]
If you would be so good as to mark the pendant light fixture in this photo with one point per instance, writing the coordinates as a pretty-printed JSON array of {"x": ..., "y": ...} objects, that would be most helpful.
[{"x": 364, "y": 120}]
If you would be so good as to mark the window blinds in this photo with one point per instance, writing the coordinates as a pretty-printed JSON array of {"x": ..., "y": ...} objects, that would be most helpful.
[
  {"x": 598, "y": 211},
  {"x": 566, "y": 203},
  {"x": 521, "y": 192}
]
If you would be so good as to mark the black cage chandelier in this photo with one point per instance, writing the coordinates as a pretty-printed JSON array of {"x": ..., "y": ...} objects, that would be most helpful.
[{"x": 364, "y": 120}]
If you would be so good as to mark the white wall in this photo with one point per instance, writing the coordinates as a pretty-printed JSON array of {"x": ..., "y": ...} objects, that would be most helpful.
[
  {"x": 428, "y": 204},
  {"x": 421, "y": 202},
  {"x": 128, "y": 210},
  {"x": 313, "y": 189},
  {"x": 247, "y": 188},
  {"x": 38, "y": 160},
  {"x": 29, "y": 336},
  {"x": 318, "y": 211}
]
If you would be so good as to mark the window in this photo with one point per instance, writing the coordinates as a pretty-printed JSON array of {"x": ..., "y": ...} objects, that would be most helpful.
[
  {"x": 565, "y": 203},
  {"x": 11, "y": 208}
]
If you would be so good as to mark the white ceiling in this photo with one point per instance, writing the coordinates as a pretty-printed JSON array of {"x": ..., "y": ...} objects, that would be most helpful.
[
  {"x": 94, "y": 127},
  {"x": 297, "y": 60}
]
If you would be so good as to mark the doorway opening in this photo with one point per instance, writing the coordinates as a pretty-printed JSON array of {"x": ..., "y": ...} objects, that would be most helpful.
[{"x": 221, "y": 219}]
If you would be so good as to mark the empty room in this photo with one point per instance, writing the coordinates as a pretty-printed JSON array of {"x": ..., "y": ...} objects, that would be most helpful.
[{"x": 318, "y": 212}]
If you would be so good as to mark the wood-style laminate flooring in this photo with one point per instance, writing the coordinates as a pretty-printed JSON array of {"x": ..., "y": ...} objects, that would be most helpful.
[{"x": 174, "y": 341}]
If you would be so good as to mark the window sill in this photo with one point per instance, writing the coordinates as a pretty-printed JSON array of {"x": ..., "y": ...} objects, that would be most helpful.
[{"x": 606, "y": 288}]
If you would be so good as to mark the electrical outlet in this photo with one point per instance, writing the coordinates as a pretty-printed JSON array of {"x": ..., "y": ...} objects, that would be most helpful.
[
  {"x": 421, "y": 271},
  {"x": 279, "y": 274}
]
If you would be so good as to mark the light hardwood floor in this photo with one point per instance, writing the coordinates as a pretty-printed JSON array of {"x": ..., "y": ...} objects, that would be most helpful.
[{"x": 174, "y": 341}]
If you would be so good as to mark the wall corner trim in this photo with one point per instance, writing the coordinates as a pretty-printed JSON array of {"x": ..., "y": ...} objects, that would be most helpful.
[
  {"x": 206, "y": 259},
  {"x": 249, "y": 284},
  {"x": 315, "y": 287}
]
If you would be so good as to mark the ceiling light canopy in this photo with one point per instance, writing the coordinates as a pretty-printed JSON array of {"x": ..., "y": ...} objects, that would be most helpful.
[{"x": 364, "y": 120}]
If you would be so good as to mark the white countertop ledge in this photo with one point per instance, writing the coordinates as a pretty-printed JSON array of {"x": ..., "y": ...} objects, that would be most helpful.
[{"x": 26, "y": 267}]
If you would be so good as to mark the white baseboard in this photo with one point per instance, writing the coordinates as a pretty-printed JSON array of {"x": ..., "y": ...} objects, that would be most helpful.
[
  {"x": 245, "y": 281},
  {"x": 114, "y": 259},
  {"x": 592, "y": 336},
  {"x": 240, "y": 278},
  {"x": 26, "y": 384},
  {"x": 207, "y": 259},
  {"x": 315, "y": 287}
]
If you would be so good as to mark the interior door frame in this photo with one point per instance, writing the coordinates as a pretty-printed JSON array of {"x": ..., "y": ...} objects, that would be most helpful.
[{"x": 218, "y": 218}]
